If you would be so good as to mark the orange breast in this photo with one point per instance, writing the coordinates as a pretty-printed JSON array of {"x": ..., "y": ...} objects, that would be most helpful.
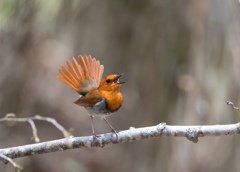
[{"x": 114, "y": 99}]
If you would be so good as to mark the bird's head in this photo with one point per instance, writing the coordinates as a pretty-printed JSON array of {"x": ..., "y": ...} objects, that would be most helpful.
[{"x": 111, "y": 83}]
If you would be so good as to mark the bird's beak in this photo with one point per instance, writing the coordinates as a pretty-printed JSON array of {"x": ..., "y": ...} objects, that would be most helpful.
[{"x": 116, "y": 80}]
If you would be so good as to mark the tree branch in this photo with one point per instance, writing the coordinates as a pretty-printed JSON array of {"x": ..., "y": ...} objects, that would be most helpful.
[
  {"x": 15, "y": 165},
  {"x": 30, "y": 120},
  {"x": 231, "y": 104},
  {"x": 192, "y": 133}
]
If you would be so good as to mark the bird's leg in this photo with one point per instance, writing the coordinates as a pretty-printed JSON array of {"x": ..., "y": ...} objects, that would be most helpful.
[
  {"x": 113, "y": 130},
  {"x": 94, "y": 134}
]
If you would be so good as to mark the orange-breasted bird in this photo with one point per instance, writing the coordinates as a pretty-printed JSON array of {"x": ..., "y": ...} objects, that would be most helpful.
[{"x": 99, "y": 98}]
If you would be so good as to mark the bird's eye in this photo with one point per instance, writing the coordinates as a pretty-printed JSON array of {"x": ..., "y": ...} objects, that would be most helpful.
[{"x": 107, "y": 80}]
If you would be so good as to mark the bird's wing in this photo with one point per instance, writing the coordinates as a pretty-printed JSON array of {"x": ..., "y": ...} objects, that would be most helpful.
[
  {"x": 82, "y": 76},
  {"x": 90, "y": 99}
]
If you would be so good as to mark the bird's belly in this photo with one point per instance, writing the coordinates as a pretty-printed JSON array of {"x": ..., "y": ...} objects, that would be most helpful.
[
  {"x": 102, "y": 113},
  {"x": 100, "y": 109}
]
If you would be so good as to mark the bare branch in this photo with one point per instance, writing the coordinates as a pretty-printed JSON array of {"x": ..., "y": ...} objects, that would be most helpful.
[
  {"x": 55, "y": 123},
  {"x": 30, "y": 120},
  {"x": 231, "y": 104},
  {"x": 7, "y": 159},
  {"x": 36, "y": 138},
  {"x": 192, "y": 133}
]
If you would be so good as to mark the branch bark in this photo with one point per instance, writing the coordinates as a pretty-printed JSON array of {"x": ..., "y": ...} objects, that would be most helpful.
[{"x": 192, "y": 133}]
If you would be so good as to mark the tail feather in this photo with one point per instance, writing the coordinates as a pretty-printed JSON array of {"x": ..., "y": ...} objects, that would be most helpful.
[
  {"x": 77, "y": 68},
  {"x": 101, "y": 69},
  {"x": 76, "y": 74},
  {"x": 97, "y": 69},
  {"x": 90, "y": 66},
  {"x": 70, "y": 76},
  {"x": 66, "y": 77},
  {"x": 73, "y": 71},
  {"x": 62, "y": 79},
  {"x": 82, "y": 64},
  {"x": 93, "y": 68},
  {"x": 90, "y": 69}
]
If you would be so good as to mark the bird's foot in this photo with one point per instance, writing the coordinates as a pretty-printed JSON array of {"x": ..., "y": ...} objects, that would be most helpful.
[
  {"x": 116, "y": 133},
  {"x": 95, "y": 137}
]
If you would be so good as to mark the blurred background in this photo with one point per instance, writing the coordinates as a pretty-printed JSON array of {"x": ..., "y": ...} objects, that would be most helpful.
[{"x": 181, "y": 61}]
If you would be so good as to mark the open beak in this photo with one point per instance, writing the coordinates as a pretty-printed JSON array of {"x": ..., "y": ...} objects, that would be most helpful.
[{"x": 116, "y": 80}]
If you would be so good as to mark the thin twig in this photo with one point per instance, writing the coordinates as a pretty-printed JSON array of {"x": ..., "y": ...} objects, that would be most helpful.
[
  {"x": 55, "y": 123},
  {"x": 30, "y": 120},
  {"x": 16, "y": 166},
  {"x": 231, "y": 104},
  {"x": 36, "y": 138}
]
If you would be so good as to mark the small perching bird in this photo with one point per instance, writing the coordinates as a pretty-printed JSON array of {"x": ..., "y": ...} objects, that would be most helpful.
[{"x": 99, "y": 98}]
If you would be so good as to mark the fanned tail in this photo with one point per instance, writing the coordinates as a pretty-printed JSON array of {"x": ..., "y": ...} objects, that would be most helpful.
[{"x": 82, "y": 76}]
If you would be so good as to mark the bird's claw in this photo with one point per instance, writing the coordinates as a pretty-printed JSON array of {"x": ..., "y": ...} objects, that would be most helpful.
[
  {"x": 95, "y": 137},
  {"x": 116, "y": 133}
]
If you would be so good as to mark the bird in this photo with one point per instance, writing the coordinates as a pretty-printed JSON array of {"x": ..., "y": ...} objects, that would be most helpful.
[{"x": 99, "y": 98}]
